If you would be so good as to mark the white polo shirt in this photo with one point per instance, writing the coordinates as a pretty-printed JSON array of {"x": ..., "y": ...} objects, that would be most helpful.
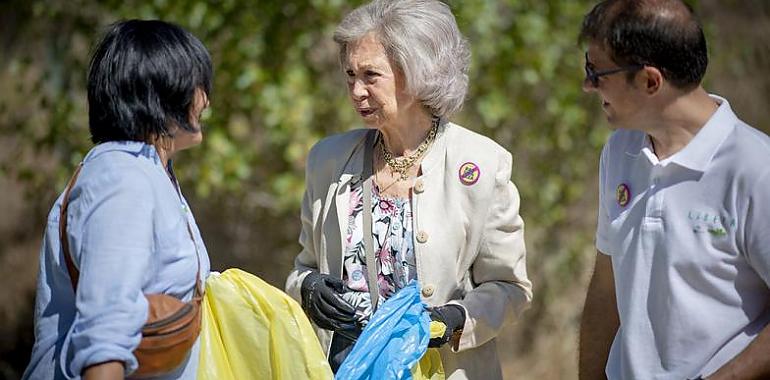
[{"x": 689, "y": 240}]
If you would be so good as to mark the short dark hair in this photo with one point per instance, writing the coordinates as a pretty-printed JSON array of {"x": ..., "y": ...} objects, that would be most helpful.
[
  {"x": 664, "y": 34},
  {"x": 142, "y": 81}
]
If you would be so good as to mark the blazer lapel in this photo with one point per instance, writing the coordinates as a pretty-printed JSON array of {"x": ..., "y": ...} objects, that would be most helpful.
[
  {"x": 336, "y": 219},
  {"x": 436, "y": 154}
]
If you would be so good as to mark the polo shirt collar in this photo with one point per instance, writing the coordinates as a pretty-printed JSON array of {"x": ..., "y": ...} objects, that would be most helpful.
[{"x": 697, "y": 154}]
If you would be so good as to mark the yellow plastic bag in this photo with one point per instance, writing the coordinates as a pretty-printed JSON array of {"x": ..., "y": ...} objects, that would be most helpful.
[
  {"x": 430, "y": 367},
  {"x": 251, "y": 330}
]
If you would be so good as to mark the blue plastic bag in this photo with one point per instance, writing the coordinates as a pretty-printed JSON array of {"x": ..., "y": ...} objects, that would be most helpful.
[{"x": 393, "y": 341}]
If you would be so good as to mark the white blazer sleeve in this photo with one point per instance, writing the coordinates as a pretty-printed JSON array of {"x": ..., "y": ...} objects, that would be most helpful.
[{"x": 499, "y": 269}]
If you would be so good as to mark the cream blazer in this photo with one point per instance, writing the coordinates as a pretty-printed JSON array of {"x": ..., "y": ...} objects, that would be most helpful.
[{"x": 469, "y": 237}]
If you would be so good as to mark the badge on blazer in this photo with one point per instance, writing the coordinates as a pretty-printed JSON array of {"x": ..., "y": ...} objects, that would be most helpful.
[
  {"x": 623, "y": 195},
  {"x": 469, "y": 173}
]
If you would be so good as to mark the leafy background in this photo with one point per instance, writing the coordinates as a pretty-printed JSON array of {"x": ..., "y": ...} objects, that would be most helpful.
[{"x": 278, "y": 90}]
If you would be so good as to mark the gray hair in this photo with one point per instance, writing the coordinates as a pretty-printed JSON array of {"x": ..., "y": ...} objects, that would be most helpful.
[{"x": 422, "y": 38}]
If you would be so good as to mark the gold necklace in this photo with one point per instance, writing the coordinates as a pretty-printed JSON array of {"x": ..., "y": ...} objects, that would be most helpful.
[{"x": 401, "y": 165}]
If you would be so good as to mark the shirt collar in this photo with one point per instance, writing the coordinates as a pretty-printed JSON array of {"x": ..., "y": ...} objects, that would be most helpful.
[
  {"x": 137, "y": 148},
  {"x": 697, "y": 154}
]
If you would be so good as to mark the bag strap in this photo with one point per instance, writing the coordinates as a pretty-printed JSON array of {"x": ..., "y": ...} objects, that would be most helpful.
[
  {"x": 198, "y": 287},
  {"x": 371, "y": 263},
  {"x": 64, "y": 241}
]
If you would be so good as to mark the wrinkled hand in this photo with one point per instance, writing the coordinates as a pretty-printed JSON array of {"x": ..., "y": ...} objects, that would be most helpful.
[
  {"x": 323, "y": 303},
  {"x": 453, "y": 316}
]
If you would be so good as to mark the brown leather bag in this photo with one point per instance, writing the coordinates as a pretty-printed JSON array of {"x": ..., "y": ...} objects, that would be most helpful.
[{"x": 172, "y": 325}]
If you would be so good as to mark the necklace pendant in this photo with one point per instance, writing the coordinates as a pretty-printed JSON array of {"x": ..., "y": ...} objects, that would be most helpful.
[{"x": 404, "y": 177}]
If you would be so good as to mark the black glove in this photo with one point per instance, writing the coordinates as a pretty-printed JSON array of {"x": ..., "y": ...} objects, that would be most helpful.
[
  {"x": 453, "y": 316},
  {"x": 323, "y": 303}
]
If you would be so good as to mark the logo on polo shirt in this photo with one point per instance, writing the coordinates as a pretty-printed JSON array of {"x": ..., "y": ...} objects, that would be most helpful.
[{"x": 711, "y": 222}]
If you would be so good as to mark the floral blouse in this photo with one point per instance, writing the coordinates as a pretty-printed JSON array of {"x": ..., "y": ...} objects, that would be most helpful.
[{"x": 393, "y": 244}]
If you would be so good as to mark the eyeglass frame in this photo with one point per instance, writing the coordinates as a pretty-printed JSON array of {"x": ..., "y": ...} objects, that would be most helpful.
[{"x": 593, "y": 76}]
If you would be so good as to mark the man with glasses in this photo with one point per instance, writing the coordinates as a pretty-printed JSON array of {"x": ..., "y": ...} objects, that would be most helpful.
[{"x": 680, "y": 287}]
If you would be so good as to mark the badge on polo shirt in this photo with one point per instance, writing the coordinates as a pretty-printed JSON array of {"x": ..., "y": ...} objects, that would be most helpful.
[
  {"x": 623, "y": 195},
  {"x": 469, "y": 173}
]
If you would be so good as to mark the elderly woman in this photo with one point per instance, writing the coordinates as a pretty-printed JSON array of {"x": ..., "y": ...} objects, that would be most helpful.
[
  {"x": 411, "y": 197},
  {"x": 129, "y": 230}
]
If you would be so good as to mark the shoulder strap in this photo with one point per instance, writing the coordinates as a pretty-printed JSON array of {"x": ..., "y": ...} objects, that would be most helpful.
[
  {"x": 371, "y": 264},
  {"x": 198, "y": 286},
  {"x": 63, "y": 240}
]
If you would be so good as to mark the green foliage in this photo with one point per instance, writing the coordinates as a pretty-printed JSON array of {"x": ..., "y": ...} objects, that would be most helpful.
[
  {"x": 278, "y": 90},
  {"x": 526, "y": 94}
]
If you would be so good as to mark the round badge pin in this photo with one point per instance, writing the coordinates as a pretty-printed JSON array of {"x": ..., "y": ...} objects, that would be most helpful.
[
  {"x": 469, "y": 173},
  {"x": 623, "y": 195}
]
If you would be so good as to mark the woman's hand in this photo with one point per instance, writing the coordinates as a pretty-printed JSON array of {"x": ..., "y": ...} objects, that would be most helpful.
[
  {"x": 105, "y": 371},
  {"x": 453, "y": 316},
  {"x": 322, "y": 301}
]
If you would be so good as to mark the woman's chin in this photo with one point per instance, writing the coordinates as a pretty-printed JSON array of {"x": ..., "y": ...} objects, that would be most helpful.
[
  {"x": 371, "y": 121},
  {"x": 187, "y": 140}
]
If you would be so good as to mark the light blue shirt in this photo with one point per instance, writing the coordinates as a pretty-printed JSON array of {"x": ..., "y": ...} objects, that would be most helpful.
[{"x": 127, "y": 231}]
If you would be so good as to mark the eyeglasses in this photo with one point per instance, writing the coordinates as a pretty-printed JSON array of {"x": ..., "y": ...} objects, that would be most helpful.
[{"x": 593, "y": 76}]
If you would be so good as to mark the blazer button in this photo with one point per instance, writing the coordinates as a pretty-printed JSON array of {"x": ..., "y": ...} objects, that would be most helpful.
[
  {"x": 422, "y": 237},
  {"x": 428, "y": 290},
  {"x": 419, "y": 186}
]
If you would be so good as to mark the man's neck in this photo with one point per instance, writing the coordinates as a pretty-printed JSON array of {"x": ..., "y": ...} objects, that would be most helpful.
[{"x": 680, "y": 120}]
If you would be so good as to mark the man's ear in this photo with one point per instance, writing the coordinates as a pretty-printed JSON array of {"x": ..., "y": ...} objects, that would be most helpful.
[{"x": 651, "y": 79}]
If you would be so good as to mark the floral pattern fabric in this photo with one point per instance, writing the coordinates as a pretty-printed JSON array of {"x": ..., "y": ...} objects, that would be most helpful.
[{"x": 393, "y": 244}]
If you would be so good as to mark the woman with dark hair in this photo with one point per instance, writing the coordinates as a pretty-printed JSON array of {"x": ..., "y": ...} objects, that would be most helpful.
[{"x": 129, "y": 230}]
